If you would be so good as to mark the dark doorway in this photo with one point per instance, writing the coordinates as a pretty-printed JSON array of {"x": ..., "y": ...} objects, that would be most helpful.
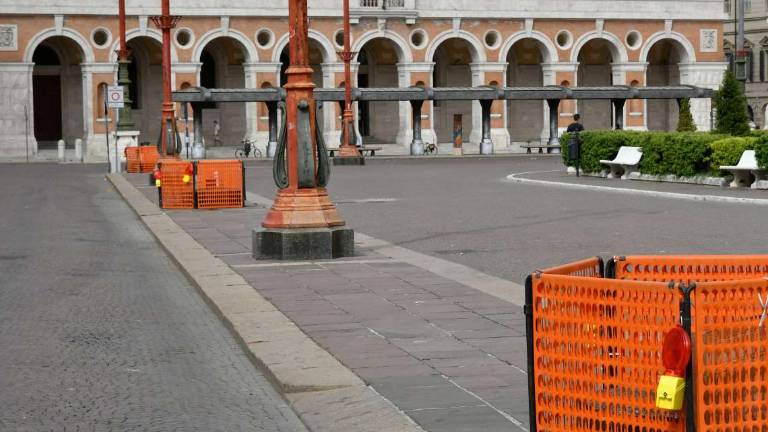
[{"x": 47, "y": 106}]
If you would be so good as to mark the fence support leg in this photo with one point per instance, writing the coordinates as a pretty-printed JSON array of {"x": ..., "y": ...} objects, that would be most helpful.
[
  {"x": 272, "y": 144},
  {"x": 554, "y": 140},
  {"x": 618, "y": 110},
  {"x": 486, "y": 144},
  {"x": 417, "y": 145}
]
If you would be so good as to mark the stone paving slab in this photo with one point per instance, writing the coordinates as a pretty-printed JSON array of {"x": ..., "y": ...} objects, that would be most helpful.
[{"x": 449, "y": 355}]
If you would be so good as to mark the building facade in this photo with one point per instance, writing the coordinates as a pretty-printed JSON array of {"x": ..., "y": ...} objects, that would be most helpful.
[
  {"x": 56, "y": 59},
  {"x": 756, "y": 45}
]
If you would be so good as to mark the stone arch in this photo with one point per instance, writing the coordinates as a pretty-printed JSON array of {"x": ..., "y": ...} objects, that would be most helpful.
[
  {"x": 548, "y": 54},
  {"x": 688, "y": 50},
  {"x": 403, "y": 50},
  {"x": 477, "y": 48},
  {"x": 328, "y": 51},
  {"x": 618, "y": 51},
  {"x": 36, "y": 40},
  {"x": 251, "y": 53},
  {"x": 136, "y": 33}
]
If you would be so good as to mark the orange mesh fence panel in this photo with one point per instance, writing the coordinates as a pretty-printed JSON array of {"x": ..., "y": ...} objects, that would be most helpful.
[
  {"x": 149, "y": 157},
  {"x": 220, "y": 184},
  {"x": 731, "y": 356},
  {"x": 696, "y": 268},
  {"x": 591, "y": 267},
  {"x": 596, "y": 347},
  {"x": 174, "y": 193},
  {"x": 132, "y": 161}
]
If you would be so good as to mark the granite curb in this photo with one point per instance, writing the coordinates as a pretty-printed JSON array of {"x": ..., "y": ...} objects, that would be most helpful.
[{"x": 324, "y": 393}]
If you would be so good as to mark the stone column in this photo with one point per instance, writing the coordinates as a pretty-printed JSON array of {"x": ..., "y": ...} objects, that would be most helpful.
[
  {"x": 624, "y": 74},
  {"x": 95, "y": 142},
  {"x": 493, "y": 73},
  {"x": 333, "y": 76},
  {"x": 478, "y": 79},
  {"x": 256, "y": 74},
  {"x": 411, "y": 74},
  {"x": 185, "y": 73},
  {"x": 250, "y": 71},
  {"x": 707, "y": 75},
  {"x": 16, "y": 94}
]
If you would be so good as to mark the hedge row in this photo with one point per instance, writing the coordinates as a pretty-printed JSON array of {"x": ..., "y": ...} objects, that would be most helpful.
[{"x": 682, "y": 154}]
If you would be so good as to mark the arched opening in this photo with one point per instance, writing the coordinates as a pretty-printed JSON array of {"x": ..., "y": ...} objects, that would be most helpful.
[
  {"x": 379, "y": 121},
  {"x": 664, "y": 58},
  {"x": 222, "y": 67},
  {"x": 525, "y": 119},
  {"x": 452, "y": 59},
  {"x": 595, "y": 59},
  {"x": 146, "y": 91},
  {"x": 57, "y": 83}
]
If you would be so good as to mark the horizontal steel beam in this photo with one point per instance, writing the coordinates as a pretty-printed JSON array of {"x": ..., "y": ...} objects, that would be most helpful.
[{"x": 198, "y": 94}]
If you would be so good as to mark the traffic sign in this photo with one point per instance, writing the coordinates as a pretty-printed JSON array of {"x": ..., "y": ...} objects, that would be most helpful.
[{"x": 115, "y": 97}]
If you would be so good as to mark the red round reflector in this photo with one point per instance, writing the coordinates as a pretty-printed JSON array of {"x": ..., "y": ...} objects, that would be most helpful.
[{"x": 676, "y": 351}]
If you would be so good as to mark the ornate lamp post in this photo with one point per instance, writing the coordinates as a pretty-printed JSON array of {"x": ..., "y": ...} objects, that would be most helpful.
[
  {"x": 303, "y": 222},
  {"x": 126, "y": 119},
  {"x": 165, "y": 22},
  {"x": 349, "y": 154}
]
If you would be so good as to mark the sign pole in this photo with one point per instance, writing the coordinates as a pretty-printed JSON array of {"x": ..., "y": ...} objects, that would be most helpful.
[
  {"x": 26, "y": 130},
  {"x": 106, "y": 132}
]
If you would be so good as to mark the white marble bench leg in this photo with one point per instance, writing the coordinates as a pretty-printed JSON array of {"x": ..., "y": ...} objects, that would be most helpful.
[
  {"x": 740, "y": 178},
  {"x": 615, "y": 171},
  {"x": 759, "y": 175},
  {"x": 628, "y": 169}
]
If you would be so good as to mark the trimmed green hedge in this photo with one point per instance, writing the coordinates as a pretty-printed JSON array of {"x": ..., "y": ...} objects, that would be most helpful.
[
  {"x": 682, "y": 154},
  {"x": 728, "y": 151}
]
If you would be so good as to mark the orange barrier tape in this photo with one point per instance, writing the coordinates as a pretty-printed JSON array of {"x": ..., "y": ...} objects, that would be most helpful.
[
  {"x": 696, "y": 268},
  {"x": 220, "y": 184},
  {"x": 731, "y": 356},
  {"x": 174, "y": 192},
  {"x": 597, "y": 352},
  {"x": 132, "y": 162}
]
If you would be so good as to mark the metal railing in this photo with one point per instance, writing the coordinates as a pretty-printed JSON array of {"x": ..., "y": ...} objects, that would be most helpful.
[{"x": 384, "y": 4}]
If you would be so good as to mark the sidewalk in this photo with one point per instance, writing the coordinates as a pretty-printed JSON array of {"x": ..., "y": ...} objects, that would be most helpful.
[{"x": 451, "y": 357}]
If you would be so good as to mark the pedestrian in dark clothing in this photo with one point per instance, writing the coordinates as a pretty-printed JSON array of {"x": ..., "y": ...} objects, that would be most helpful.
[{"x": 576, "y": 126}]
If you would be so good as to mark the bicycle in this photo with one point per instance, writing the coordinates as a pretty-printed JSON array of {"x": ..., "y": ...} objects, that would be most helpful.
[
  {"x": 430, "y": 149},
  {"x": 248, "y": 147}
]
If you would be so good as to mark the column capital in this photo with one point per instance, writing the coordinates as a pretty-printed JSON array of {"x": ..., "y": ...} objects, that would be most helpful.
[
  {"x": 105, "y": 68},
  {"x": 416, "y": 67},
  {"x": 629, "y": 67},
  {"x": 488, "y": 67},
  {"x": 262, "y": 67},
  {"x": 191, "y": 68},
  {"x": 560, "y": 67}
]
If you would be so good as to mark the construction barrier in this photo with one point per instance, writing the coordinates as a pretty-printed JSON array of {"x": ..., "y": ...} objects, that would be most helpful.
[
  {"x": 220, "y": 184},
  {"x": 202, "y": 184},
  {"x": 141, "y": 159},
  {"x": 595, "y": 343}
]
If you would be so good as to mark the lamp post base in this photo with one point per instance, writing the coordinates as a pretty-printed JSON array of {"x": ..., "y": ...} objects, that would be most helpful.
[
  {"x": 349, "y": 160},
  {"x": 303, "y": 244}
]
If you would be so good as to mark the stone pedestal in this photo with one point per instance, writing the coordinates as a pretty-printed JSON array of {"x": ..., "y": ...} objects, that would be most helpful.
[
  {"x": 124, "y": 139},
  {"x": 303, "y": 244}
]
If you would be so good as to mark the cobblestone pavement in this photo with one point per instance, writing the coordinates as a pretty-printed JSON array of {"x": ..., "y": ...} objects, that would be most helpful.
[
  {"x": 449, "y": 356},
  {"x": 99, "y": 330}
]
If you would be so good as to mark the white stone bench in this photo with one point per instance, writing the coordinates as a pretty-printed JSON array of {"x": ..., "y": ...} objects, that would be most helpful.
[
  {"x": 625, "y": 162},
  {"x": 746, "y": 167}
]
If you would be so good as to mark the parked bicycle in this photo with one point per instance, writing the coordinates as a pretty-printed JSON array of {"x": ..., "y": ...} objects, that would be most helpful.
[
  {"x": 248, "y": 148},
  {"x": 430, "y": 149}
]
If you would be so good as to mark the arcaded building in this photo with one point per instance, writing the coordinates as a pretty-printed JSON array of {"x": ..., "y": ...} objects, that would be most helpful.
[{"x": 57, "y": 57}]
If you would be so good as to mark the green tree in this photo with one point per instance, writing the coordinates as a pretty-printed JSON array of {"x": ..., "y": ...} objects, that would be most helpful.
[
  {"x": 732, "y": 117},
  {"x": 685, "y": 119}
]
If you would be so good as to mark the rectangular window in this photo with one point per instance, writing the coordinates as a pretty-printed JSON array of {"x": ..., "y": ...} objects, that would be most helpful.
[
  {"x": 747, "y": 6},
  {"x": 727, "y": 6}
]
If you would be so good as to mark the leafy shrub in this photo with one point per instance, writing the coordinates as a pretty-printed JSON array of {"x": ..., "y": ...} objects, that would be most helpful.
[
  {"x": 682, "y": 154},
  {"x": 761, "y": 152},
  {"x": 728, "y": 151}
]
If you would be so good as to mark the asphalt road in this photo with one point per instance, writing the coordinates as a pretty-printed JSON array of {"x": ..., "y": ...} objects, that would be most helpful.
[
  {"x": 99, "y": 330},
  {"x": 465, "y": 210}
]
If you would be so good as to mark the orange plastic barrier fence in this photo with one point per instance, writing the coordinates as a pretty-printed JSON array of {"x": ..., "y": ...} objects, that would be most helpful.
[
  {"x": 594, "y": 343},
  {"x": 141, "y": 159},
  {"x": 596, "y": 353},
  {"x": 699, "y": 268},
  {"x": 174, "y": 192},
  {"x": 220, "y": 184},
  {"x": 731, "y": 356}
]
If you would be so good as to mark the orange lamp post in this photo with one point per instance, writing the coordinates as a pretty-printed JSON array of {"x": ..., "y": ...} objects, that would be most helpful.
[
  {"x": 303, "y": 222},
  {"x": 349, "y": 154},
  {"x": 169, "y": 135}
]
